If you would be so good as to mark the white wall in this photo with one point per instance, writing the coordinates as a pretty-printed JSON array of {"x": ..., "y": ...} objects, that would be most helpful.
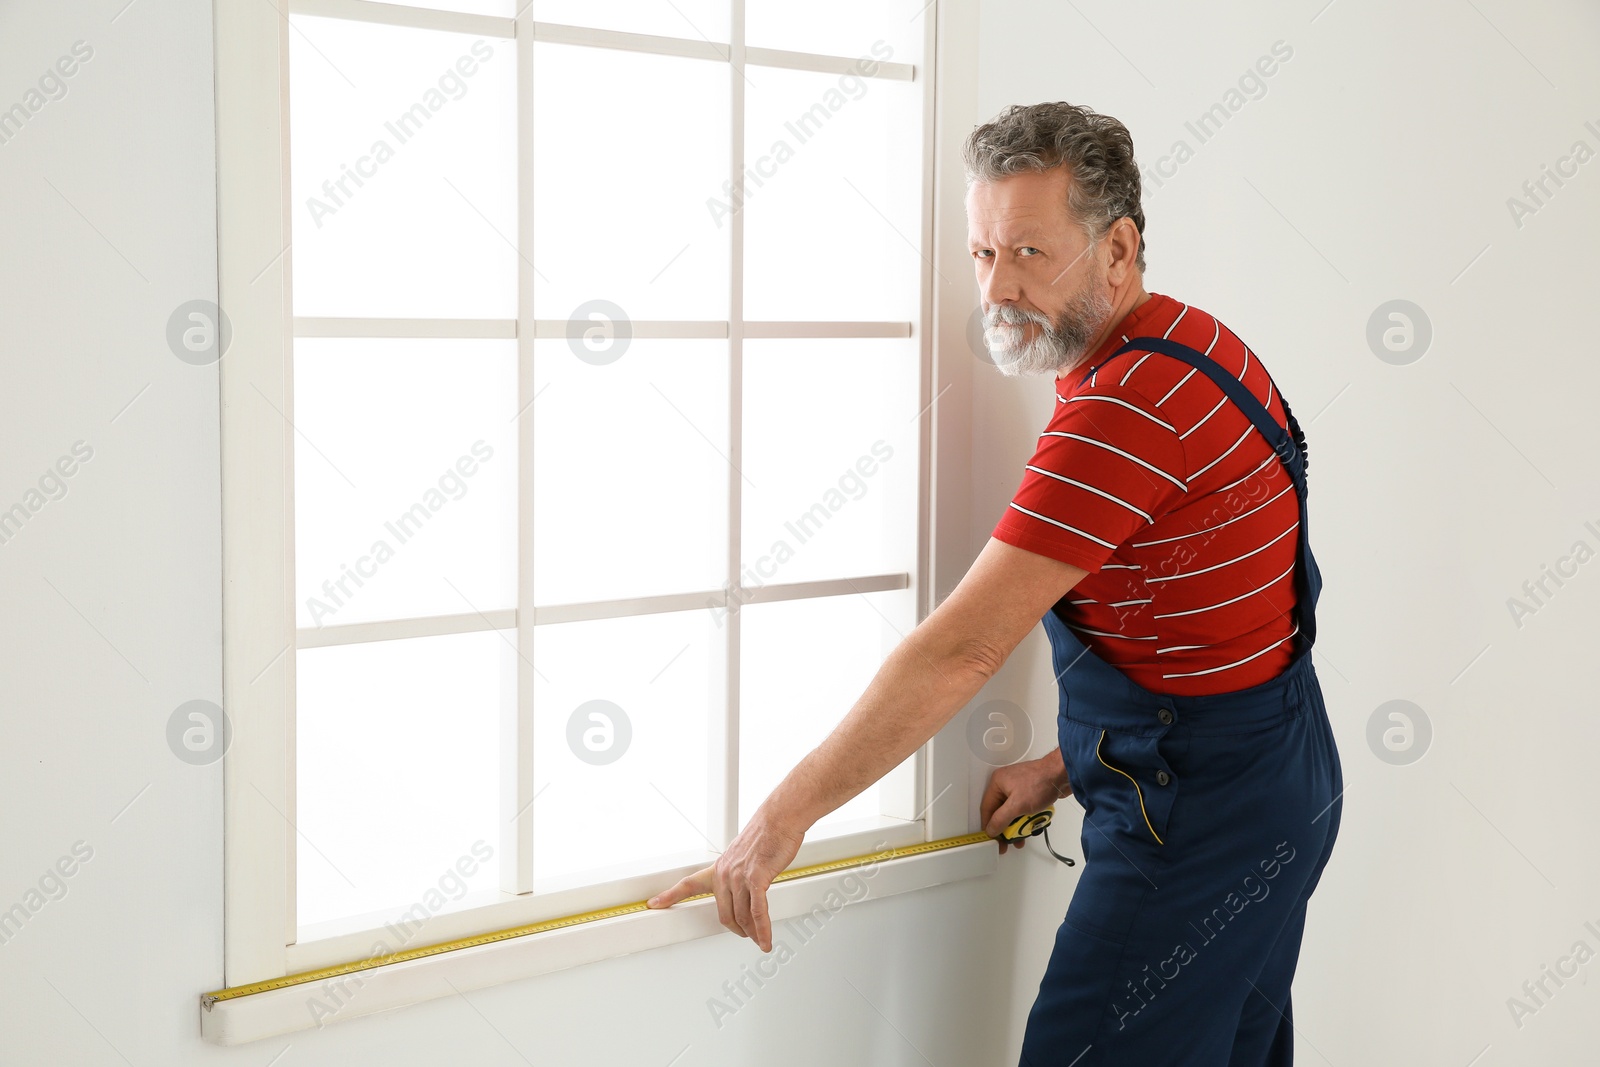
[{"x": 1390, "y": 142}]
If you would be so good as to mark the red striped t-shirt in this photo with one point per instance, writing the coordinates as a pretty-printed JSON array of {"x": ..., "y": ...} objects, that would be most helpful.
[{"x": 1161, "y": 488}]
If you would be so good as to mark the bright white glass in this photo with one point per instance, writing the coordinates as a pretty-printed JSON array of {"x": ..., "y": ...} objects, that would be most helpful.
[
  {"x": 832, "y": 197},
  {"x": 848, "y": 28},
  {"x": 405, "y": 478},
  {"x": 629, "y": 150},
  {"x": 630, "y": 474},
  {"x": 397, "y": 773},
  {"x": 695, "y": 20},
  {"x": 642, "y": 792},
  {"x": 830, "y": 454},
  {"x": 403, "y": 171},
  {"x": 805, "y": 662}
]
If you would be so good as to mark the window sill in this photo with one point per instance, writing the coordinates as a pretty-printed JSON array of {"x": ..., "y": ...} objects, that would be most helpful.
[
  {"x": 327, "y": 944},
  {"x": 312, "y": 1005}
]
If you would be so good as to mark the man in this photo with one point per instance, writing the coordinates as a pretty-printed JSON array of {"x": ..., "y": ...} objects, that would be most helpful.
[{"x": 1159, "y": 532}]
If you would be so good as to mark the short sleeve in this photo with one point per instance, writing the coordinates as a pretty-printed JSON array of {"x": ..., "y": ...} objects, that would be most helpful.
[{"x": 1106, "y": 466}]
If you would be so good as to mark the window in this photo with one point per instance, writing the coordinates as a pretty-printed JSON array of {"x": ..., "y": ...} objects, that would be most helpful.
[{"x": 575, "y": 441}]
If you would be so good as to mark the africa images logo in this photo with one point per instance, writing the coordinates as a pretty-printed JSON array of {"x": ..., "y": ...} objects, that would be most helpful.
[{"x": 1150, "y": 983}]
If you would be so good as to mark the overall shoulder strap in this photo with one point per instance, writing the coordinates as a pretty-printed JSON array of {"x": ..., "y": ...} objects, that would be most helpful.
[{"x": 1290, "y": 445}]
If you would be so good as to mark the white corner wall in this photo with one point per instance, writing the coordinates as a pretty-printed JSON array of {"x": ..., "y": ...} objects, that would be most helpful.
[{"x": 1377, "y": 166}]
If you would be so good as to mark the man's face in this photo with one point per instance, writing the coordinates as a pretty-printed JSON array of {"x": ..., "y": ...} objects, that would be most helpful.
[{"x": 1044, "y": 288}]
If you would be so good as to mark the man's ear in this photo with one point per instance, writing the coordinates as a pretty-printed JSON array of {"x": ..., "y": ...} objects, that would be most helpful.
[{"x": 1123, "y": 239}]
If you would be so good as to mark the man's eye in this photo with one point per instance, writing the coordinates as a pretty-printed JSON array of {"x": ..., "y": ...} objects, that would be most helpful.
[
  {"x": 1027, "y": 251},
  {"x": 983, "y": 252}
]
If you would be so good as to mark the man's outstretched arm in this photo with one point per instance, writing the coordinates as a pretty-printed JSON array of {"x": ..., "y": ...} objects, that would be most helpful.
[{"x": 929, "y": 676}]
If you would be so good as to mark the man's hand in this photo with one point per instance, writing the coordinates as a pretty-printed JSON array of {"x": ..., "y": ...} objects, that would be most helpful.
[
  {"x": 1022, "y": 789},
  {"x": 926, "y": 680},
  {"x": 740, "y": 878}
]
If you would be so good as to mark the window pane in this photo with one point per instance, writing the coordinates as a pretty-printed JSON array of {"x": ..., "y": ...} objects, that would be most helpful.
[
  {"x": 403, "y": 157},
  {"x": 805, "y": 662},
  {"x": 830, "y": 458},
  {"x": 832, "y": 197},
  {"x": 503, "y": 8},
  {"x": 630, "y": 474},
  {"x": 621, "y": 737},
  {"x": 698, "y": 20},
  {"x": 397, "y": 771},
  {"x": 631, "y": 148},
  {"x": 405, "y": 478},
  {"x": 839, "y": 27}
]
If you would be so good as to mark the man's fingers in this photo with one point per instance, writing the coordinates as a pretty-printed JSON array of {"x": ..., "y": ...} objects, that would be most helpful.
[
  {"x": 703, "y": 881},
  {"x": 994, "y": 795},
  {"x": 725, "y": 898},
  {"x": 741, "y": 910},
  {"x": 761, "y": 917},
  {"x": 1002, "y": 817},
  {"x": 694, "y": 884},
  {"x": 739, "y": 881}
]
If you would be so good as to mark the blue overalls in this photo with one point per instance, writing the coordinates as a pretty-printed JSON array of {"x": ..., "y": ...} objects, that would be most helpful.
[{"x": 1207, "y": 821}]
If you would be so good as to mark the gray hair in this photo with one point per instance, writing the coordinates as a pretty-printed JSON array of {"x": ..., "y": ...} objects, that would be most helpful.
[{"x": 1103, "y": 181}]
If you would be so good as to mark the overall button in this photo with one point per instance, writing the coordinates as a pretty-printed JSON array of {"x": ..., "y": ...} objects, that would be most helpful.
[
  {"x": 1165, "y": 715},
  {"x": 1162, "y": 778}
]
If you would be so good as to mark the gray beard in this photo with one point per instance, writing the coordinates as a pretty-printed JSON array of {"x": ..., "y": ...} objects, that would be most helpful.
[{"x": 1058, "y": 346}]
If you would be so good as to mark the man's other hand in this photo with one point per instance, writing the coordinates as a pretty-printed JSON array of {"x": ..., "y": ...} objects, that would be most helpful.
[{"x": 1022, "y": 789}]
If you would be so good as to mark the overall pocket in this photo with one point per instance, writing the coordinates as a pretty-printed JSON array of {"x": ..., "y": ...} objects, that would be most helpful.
[{"x": 1120, "y": 778}]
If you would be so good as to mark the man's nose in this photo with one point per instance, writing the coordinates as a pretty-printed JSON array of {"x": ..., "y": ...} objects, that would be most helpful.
[{"x": 1001, "y": 285}]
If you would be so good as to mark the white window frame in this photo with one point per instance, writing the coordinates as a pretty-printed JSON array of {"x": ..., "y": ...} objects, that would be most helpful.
[{"x": 259, "y": 618}]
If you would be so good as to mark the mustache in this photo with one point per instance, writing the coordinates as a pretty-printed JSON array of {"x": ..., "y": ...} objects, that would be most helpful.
[{"x": 1010, "y": 315}]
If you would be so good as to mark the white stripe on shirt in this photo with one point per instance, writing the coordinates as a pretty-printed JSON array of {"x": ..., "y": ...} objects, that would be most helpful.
[
  {"x": 1192, "y": 372},
  {"x": 1064, "y": 526},
  {"x": 1113, "y": 448},
  {"x": 1270, "y": 459},
  {"x": 1202, "y": 422},
  {"x": 1133, "y": 368},
  {"x": 1102, "y": 633},
  {"x": 1089, "y": 488},
  {"x": 1235, "y": 663},
  {"x": 1218, "y": 526},
  {"x": 1203, "y": 570},
  {"x": 1177, "y": 320},
  {"x": 1131, "y": 407},
  {"x": 1225, "y": 603},
  {"x": 1248, "y": 430}
]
